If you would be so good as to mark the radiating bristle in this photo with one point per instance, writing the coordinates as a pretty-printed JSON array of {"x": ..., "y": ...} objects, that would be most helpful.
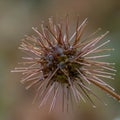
[{"x": 61, "y": 65}]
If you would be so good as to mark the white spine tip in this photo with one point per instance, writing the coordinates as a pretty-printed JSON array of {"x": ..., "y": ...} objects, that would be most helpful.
[
  {"x": 94, "y": 106},
  {"x": 106, "y": 104},
  {"x": 12, "y": 71},
  {"x": 34, "y": 28},
  {"x": 86, "y": 20}
]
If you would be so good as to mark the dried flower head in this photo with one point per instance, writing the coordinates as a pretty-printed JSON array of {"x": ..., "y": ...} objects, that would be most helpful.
[{"x": 63, "y": 67}]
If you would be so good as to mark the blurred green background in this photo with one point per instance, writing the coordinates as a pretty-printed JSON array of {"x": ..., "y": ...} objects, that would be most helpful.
[{"x": 16, "y": 19}]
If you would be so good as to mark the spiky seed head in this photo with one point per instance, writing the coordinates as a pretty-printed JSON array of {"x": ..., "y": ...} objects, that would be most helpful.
[{"x": 63, "y": 66}]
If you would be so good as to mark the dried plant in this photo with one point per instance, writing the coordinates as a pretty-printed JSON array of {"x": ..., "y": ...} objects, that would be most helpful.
[{"x": 64, "y": 67}]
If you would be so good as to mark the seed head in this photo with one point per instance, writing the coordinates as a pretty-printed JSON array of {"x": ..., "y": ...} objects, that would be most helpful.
[{"x": 63, "y": 67}]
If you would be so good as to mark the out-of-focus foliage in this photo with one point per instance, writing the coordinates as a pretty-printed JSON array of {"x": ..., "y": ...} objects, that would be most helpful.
[{"x": 16, "y": 19}]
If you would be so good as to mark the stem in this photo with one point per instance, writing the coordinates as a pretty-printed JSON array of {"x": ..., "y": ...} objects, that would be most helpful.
[{"x": 112, "y": 93}]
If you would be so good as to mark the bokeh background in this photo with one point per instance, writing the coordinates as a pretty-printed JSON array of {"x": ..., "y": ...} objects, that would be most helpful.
[{"x": 16, "y": 19}]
